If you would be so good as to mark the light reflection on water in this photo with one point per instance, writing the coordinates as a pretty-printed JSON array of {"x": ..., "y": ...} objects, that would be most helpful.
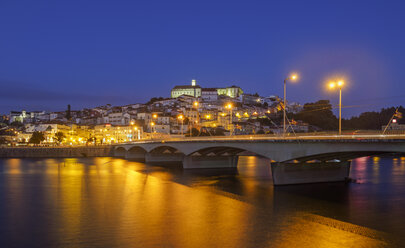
[{"x": 108, "y": 202}]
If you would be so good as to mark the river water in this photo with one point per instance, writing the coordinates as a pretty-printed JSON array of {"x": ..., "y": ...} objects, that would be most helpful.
[{"x": 110, "y": 202}]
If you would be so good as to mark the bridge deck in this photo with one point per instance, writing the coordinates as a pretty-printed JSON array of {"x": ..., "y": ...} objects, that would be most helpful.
[{"x": 274, "y": 138}]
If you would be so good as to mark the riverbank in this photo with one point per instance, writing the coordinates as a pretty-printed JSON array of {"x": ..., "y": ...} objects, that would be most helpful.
[{"x": 55, "y": 152}]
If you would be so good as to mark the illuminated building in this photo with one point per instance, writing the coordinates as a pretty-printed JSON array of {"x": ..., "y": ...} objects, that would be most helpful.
[
  {"x": 208, "y": 94},
  {"x": 193, "y": 90}
]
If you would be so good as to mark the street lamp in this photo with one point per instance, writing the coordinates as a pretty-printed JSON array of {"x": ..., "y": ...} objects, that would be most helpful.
[
  {"x": 152, "y": 124},
  {"x": 293, "y": 77},
  {"x": 229, "y": 106},
  {"x": 181, "y": 117},
  {"x": 196, "y": 104},
  {"x": 333, "y": 85}
]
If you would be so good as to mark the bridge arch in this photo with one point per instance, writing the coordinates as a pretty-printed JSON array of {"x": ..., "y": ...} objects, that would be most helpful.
[
  {"x": 222, "y": 151},
  {"x": 137, "y": 153},
  {"x": 341, "y": 156},
  {"x": 164, "y": 155},
  {"x": 165, "y": 149},
  {"x": 120, "y": 152}
]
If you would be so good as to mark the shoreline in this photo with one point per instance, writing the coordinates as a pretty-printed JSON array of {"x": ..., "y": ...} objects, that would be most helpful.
[{"x": 56, "y": 152}]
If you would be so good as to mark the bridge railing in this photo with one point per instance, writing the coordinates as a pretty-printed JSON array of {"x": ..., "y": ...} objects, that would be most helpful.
[{"x": 348, "y": 135}]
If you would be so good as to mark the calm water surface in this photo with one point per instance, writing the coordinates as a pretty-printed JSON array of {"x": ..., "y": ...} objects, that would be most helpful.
[{"x": 109, "y": 202}]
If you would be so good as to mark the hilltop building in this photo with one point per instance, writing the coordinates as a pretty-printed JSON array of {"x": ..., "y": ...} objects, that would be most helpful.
[
  {"x": 193, "y": 90},
  {"x": 208, "y": 94}
]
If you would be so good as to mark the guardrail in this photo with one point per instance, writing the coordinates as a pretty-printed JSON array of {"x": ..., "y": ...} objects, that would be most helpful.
[{"x": 299, "y": 136}]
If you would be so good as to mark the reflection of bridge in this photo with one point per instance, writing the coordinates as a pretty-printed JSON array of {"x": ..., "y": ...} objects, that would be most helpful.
[{"x": 302, "y": 159}]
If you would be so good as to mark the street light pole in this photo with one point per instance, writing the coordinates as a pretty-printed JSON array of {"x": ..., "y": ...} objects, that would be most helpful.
[
  {"x": 292, "y": 77},
  {"x": 340, "y": 110},
  {"x": 333, "y": 85},
  {"x": 284, "y": 105},
  {"x": 230, "y": 121},
  {"x": 181, "y": 126},
  {"x": 181, "y": 117},
  {"x": 229, "y": 106}
]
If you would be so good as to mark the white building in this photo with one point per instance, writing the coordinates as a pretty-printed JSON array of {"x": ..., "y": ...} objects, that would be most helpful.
[
  {"x": 209, "y": 94},
  {"x": 233, "y": 91},
  {"x": 189, "y": 90},
  {"x": 24, "y": 116},
  {"x": 161, "y": 128},
  {"x": 118, "y": 118}
]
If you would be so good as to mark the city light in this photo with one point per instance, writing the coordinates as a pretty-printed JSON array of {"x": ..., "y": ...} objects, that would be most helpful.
[
  {"x": 195, "y": 104},
  {"x": 229, "y": 106},
  {"x": 155, "y": 116},
  {"x": 333, "y": 85},
  {"x": 181, "y": 117}
]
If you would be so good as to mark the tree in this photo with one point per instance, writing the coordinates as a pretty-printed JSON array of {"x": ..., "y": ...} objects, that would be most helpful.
[
  {"x": 16, "y": 124},
  {"x": 261, "y": 131},
  {"x": 59, "y": 136},
  {"x": 218, "y": 132},
  {"x": 194, "y": 132},
  {"x": 154, "y": 99},
  {"x": 318, "y": 114},
  {"x": 37, "y": 138},
  {"x": 68, "y": 113},
  {"x": 372, "y": 120}
]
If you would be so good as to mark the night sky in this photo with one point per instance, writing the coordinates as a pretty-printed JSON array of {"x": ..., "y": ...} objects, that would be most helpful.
[{"x": 90, "y": 53}]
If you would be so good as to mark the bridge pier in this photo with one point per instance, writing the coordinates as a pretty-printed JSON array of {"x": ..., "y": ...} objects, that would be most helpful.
[
  {"x": 139, "y": 157},
  {"x": 164, "y": 159},
  {"x": 298, "y": 173},
  {"x": 203, "y": 162}
]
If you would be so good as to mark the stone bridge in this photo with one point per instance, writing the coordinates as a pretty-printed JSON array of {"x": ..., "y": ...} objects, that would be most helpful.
[{"x": 292, "y": 160}]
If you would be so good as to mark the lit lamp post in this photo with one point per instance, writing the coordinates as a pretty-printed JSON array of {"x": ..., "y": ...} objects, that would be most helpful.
[
  {"x": 339, "y": 85},
  {"x": 229, "y": 106},
  {"x": 138, "y": 132},
  {"x": 196, "y": 107},
  {"x": 152, "y": 124},
  {"x": 293, "y": 77},
  {"x": 181, "y": 118}
]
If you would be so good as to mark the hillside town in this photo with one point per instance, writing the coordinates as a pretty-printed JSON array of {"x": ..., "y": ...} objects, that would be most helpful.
[{"x": 191, "y": 110}]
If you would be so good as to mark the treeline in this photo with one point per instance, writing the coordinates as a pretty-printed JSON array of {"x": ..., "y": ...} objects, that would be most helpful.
[
  {"x": 319, "y": 114},
  {"x": 372, "y": 120}
]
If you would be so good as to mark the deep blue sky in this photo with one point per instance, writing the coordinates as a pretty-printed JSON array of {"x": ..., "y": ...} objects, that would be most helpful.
[{"x": 88, "y": 53}]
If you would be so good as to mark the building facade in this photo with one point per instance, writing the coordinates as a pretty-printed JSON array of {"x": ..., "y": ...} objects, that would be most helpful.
[
  {"x": 189, "y": 90},
  {"x": 208, "y": 94}
]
